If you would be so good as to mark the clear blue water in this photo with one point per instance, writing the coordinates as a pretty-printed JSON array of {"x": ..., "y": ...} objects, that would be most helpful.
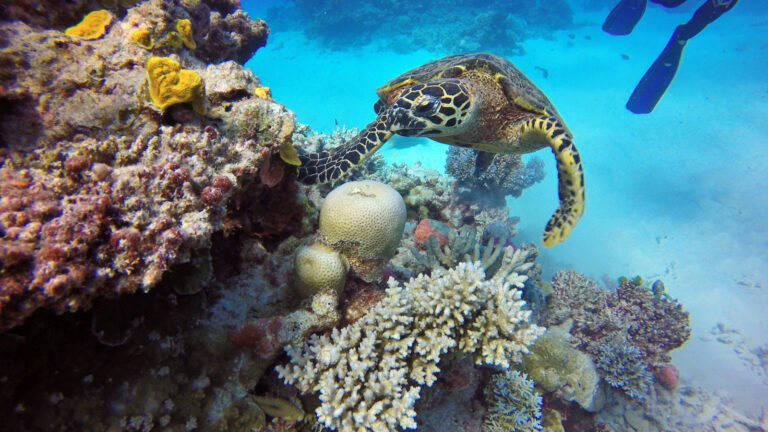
[{"x": 679, "y": 193}]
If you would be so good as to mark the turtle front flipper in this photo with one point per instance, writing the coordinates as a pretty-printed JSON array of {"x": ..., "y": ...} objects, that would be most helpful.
[
  {"x": 330, "y": 165},
  {"x": 570, "y": 176}
]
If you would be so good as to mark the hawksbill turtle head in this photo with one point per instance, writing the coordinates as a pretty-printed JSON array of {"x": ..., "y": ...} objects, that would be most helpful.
[{"x": 433, "y": 109}]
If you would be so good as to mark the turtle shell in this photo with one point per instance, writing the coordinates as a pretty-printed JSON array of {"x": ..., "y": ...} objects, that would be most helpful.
[{"x": 518, "y": 89}]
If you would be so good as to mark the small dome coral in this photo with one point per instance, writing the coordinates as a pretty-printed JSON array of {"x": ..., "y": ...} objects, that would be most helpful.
[
  {"x": 319, "y": 267},
  {"x": 365, "y": 221}
]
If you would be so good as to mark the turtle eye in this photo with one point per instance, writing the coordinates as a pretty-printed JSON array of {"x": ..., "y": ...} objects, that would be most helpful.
[{"x": 426, "y": 106}]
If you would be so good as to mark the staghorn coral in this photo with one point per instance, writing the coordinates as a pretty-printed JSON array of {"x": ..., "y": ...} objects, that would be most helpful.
[
  {"x": 465, "y": 247},
  {"x": 513, "y": 405},
  {"x": 369, "y": 374},
  {"x": 622, "y": 366},
  {"x": 102, "y": 193}
]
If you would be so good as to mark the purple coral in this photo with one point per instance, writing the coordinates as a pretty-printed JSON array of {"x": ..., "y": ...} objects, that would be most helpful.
[
  {"x": 506, "y": 174},
  {"x": 654, "y": 324}
]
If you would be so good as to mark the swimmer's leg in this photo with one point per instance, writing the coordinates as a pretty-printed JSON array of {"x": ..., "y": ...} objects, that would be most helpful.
[
  {"x": 622, "y": 19},
  {"x": 659, "y": 76}
]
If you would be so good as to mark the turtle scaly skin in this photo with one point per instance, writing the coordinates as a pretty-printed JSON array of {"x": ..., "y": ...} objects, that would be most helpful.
[
  {"x": 329, "y": 165},
  {"x": 479, "y": 101}
]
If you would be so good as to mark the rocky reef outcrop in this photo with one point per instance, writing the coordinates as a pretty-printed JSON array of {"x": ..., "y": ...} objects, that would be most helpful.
[{"x": 104, "y": 188}]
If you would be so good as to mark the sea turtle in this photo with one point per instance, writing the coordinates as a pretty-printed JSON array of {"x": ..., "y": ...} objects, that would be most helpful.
[{"x": 479, "y": 101}]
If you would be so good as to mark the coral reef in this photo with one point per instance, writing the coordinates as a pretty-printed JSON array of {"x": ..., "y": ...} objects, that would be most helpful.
[
  {"x": 431, "y": 228},
  {"x": 145, "y": 184},
  {"x": 622, "y": 366},
  {"x": 369, "y": 374},
  {"x": 270, "y": 335},
  {"x": 499, "y": 28},
  {"x": 552, "y": 421},
  {"x": 465, "y": 247},
  {"x": 505, "y": 175},
  {"x": 101, "y": 193},
  {"x": 426, "y": 192},
  {"x": 364, "y": 220},
  {"x": 513, "y": 405},
  {"x": 557, "y": 367},
  {"x": 654, "y": 324},
  {"x": 47, "y": 13},
  {"x": 231, "y": 35},
  {"x": 171, "y": 365}
]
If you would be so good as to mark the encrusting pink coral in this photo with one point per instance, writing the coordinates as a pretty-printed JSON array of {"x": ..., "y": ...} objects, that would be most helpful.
[
  {"x": 50, "y": 245},
  {"x": 667, "y": 375},
  {"x": 429, "y": 227}
]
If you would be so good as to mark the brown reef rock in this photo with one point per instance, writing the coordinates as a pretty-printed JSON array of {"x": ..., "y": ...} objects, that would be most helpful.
[{"x": 101, "y": 191}]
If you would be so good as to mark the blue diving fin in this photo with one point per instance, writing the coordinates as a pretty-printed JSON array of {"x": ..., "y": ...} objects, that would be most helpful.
[
  {"x": 624, "y": 16},
  {"x": 656, "y": 80}
]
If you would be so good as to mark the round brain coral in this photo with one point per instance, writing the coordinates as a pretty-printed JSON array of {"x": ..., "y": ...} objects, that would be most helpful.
[
  {"x": 365, "y": 221},
  {"x": 319, "y": 267}
]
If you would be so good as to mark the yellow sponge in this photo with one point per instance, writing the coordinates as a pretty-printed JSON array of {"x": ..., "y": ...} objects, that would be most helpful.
[
  {"x": 93, "y": 26},
  {"x": 169, "y": 84},
  {"x": 184, "y": 27},
  {"x": 143, "y": 38}
]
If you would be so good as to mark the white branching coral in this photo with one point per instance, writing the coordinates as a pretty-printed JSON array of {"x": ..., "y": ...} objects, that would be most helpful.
[{"x": 369, "y": 374}]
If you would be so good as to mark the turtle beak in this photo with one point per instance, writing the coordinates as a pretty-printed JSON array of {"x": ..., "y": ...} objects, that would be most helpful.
[{"x": 403, "y": 122}]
